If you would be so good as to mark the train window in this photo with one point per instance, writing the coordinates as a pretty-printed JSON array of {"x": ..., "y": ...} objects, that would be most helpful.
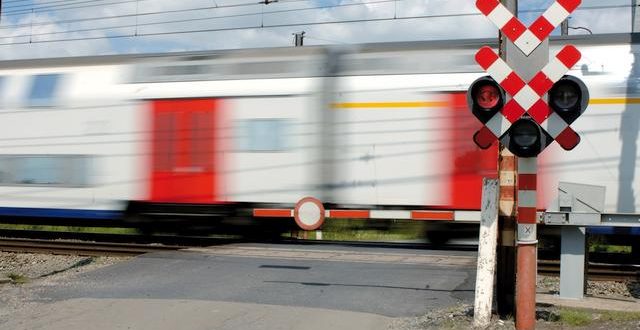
[
  {"x": 43, "y": 90},
  {"x": 202, "y": 140},
  {"x": 164, "y": 144},
  {"x": 263, "y": 135},
  {"x": 44, "y": 170},
  {"x": 203, "y": 68},
  {"x": 38, "y": 170}
]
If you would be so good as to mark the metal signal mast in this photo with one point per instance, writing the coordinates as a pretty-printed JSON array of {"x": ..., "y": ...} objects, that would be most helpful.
[{"x": 526, "y": 103}]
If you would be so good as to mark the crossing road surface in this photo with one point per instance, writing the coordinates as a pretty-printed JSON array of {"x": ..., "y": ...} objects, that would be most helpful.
[{"x": 253, "y": 286}]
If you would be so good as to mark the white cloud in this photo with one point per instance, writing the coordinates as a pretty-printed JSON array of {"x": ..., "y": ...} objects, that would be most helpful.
[{"x": 440, "y": 26}]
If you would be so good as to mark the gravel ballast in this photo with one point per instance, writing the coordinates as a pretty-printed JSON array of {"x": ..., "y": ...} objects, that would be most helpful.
[
  {"x": 31, "y": 266},
  {"x": 22, "y": 273}
]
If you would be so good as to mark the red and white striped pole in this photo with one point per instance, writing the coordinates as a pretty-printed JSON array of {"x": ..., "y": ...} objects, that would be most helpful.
[{"x": 527, "y": 245}]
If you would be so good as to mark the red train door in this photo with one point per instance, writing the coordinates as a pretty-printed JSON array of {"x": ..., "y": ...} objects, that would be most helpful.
[
  {"x": 469, "y": 164},
  {"x": 183, "y": 164}
]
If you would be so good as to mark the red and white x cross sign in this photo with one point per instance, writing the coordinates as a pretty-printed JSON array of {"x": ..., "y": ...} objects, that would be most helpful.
[
  {"x": 527, "y": 97},
  {"x": 527, "y": 39}
]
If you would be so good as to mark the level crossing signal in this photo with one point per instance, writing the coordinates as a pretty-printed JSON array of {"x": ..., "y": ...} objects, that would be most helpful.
[
  {"x": 569, "y": 98},
  {"x": 525, "y": 138},
  {"x": 531, "y": 131},
  {"x": 485, "y": 98}
]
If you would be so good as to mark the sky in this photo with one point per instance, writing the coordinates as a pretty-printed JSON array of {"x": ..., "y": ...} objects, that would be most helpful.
[{"x": 43, "y": 28}]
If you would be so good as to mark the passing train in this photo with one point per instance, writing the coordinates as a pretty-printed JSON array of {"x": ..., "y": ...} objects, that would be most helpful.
[{"x": 361, "y": 131}]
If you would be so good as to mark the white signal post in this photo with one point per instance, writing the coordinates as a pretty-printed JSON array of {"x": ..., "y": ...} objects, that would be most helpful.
[{"x": 530, "y": 62}]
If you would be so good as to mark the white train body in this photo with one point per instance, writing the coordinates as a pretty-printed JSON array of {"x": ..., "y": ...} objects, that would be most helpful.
[{"x": 370, "y": 126}]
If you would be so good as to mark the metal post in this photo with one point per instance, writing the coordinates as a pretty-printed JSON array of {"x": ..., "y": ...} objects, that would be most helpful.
[
  {"x": 635, "y": 20},
  {"x": 526, "y": 269},
  {"x": 298, "y": 39},
  {"x": 527, "y": 245},
  {"x": 564, "y": 27},
  {"x": 572, "y": 262},
  {"x": 506, "y": 267}
]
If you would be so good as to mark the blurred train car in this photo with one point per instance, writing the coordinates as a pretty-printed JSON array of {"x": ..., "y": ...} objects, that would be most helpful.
[{"x": 239, "y": 137}]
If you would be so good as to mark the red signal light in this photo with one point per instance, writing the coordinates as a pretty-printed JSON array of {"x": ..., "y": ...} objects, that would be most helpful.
[
  {"x": 488, "y": 96},
  {"x": 485, "y": 98}
]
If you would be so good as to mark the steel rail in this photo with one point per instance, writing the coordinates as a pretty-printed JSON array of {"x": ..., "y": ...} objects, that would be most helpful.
[
  {"x": 133, "y": 245},
  {"x": 81, "y": 248},
  {"x": 595, "y": 271}
]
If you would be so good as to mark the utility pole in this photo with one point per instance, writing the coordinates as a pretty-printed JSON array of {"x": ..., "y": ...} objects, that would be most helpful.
[
  {"x": 630, "y": 129},
  {"x": 635, "y": 21},
  {"x": 298, "y": 39},
  {"x": 523, "y": 253},
  {"x": 564, "y": 27},
  {"x": 506, "y": 254}
]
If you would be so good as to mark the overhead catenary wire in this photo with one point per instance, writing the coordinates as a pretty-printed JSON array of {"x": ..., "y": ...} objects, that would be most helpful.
[
  {"x": 35, "y": 5},
  {"x": 175, "y": 11},
  {"x": 164, "y": 12},
  {"x": 94, "y": 3},
  {"x": 189, "y": 20},
  {"x": 60, "y": 7},
  {"x": 251, "y": 27},
  {"x": 257, "y": 26}
]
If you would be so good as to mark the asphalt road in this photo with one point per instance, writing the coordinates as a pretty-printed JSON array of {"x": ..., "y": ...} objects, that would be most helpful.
[{"x": 273, "y": 283}]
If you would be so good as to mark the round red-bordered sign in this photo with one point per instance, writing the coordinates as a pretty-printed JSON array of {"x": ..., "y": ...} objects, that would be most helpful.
[{"x": 309, "y": 213}]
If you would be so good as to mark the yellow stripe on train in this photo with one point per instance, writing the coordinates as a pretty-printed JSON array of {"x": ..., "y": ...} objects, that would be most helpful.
[
  {"x": 441, "y": 104},
  {"x": 621, "y": 100},
  {"x": 379, "y": 105}
]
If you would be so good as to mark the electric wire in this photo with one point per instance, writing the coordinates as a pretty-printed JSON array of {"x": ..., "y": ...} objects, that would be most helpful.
[
  {"x": 92, "y": 3},
  {"x": 84, "y": 3},
  {"x": 34, "y": 5},
  {"x": 200, "y": 19},
  {"x": 93, "y": 19},
  {"x": 256, "y": 26}
]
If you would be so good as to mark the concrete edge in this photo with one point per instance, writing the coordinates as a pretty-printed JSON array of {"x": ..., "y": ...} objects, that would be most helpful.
[{"x": 597, "y": 303}]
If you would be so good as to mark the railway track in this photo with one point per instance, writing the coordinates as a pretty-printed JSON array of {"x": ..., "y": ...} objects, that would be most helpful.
[
  {"x": 595, "y": 271},
  {"x": 133, "y": 245},
  {"x": 80, "y": 248}
]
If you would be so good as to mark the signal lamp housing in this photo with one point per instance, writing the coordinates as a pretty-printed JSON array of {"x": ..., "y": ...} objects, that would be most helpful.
[
  {"x": 485, "y": 98},
  {"x": 569, "y": 98},
  {"x": 525, "y": 138}
]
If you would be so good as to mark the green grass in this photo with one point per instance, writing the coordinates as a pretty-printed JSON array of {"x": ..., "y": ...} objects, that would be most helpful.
[
  {"x": 600, "y": 243},
  {"x": 368, "y": 230},
  {"x": 72, "y": 229},
  {"x": 18, "y": 279},
  {"x": 610, "y": 248},
  {"x": 581, "y": 317},
  {"x": 575, "y": 317},
  {"x": 620, "y": 316}
]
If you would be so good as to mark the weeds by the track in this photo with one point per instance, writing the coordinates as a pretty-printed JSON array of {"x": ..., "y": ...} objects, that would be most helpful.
[
  {"x": 364, "y": 230},
  {"x": 72, "y": 229},
  {"x": 18, "y": 278},
  {"x": 574, "y": 317}
]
